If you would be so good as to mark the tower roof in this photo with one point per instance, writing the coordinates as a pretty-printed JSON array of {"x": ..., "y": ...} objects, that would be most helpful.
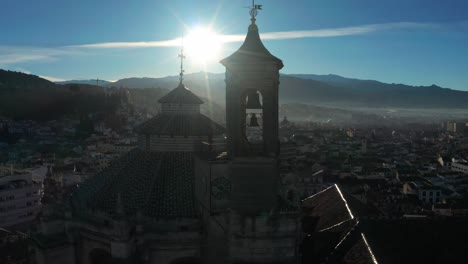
[
  {"x": 180, "y": 95},
  {"x": 252, "y": 50},
  {"x": 183, "y": 125}
]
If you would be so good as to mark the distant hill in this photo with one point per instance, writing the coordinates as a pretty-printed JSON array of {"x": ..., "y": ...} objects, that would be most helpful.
[
  {"x": 371, "y": 93},
  {"x": 327, "y": 78},
  {"x": 26, "y": 96},
  {"x": 16, "y": 81},
  {"x": 326, "y": 90},
  {"x": 23, "y": 94},
  {"x": 207, "y": 85},
  {"x": 90, "y": 82}
]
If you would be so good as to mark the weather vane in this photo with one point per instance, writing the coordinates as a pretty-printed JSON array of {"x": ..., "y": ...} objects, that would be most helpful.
[
  {"x": 182, "y": 57},
  {"x": 254, "y": 10}
]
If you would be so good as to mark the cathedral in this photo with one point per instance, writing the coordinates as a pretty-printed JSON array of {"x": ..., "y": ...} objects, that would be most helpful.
[{"x": 178, "y": 199}]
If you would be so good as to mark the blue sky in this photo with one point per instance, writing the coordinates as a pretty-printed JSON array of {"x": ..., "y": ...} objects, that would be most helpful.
[{"x": 418, "y": 42}]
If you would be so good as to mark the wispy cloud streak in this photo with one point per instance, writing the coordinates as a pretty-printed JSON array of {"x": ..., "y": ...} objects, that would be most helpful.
[
  {"x": 140, "y": 44},
  {"x": 22, "y": 54},
  {"x": 347, "y": 31},
  {"x": 17, "y": 55},
  {"x": 18, "y": 58},
  {"x": 295, "y": 34}
]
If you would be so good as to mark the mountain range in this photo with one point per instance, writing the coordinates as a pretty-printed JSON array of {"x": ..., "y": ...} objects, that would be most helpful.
[
  {"x": 304, "y": 96},
  {"x": 90, "y": 82},
  {"x": 325, "y": 90},
  {"x": 321, "y": 90}
]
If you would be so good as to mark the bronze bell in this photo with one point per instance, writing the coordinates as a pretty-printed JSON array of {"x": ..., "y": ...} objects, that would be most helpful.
[
  {"x": 253, "y": 121},
  {"x": 253, "y": 101}
]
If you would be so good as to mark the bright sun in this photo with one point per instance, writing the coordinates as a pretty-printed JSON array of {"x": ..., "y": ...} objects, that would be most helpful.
[{"x": 202, "y": 45}]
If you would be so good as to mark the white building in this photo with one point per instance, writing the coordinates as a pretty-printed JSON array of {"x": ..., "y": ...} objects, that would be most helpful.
[
  {"x": 460, "y": 167},
  {"x": 425, "y": 192},
  {"x": 19, "y": 199}
]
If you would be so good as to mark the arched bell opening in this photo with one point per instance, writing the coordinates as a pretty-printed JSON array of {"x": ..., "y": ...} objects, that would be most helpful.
[{"x": 254, "y": 119}]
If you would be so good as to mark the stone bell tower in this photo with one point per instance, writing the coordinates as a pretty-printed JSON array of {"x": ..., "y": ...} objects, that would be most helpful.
[
  {"x": 263, "y": 228},
  {"x": 252, "y": 80}
]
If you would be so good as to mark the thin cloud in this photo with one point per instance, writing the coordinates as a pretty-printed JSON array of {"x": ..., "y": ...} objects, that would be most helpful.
[
  {"x": 19, "y": 58},
  {"x": 141, "y": 44},
  {"x": 21, "y": 54},
  {"x": 17, "y": 55},
  {"x": 346, "y": 31},
  {"x": 295, "y": 34}
]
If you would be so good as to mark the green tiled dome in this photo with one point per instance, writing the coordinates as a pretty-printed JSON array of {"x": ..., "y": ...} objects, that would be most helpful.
[{"x": 156, "y": 184}]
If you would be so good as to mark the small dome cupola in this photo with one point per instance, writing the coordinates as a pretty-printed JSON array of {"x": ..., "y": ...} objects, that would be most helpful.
[
  {"x": 180, "y": 127},
  {"x": 180, "y": 100}
]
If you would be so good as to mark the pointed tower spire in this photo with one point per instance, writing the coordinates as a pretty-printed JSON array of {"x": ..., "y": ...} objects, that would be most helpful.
[
  {"x": 252, "y": 51},
  {"x": 182, "y": 57}
]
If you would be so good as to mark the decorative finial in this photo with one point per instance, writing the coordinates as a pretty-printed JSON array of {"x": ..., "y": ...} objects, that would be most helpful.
[
  {"x": 182, "y": 57},
  {"x": 254, "y": 10}
]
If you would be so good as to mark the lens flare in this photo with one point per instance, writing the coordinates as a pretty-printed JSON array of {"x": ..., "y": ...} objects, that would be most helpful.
[{"x": 202, "y": 45}]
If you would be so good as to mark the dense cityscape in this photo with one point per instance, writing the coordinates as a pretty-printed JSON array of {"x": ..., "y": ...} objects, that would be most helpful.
[
  {"x": 248, "y": 166},
  {"x": 419, "y": 171}
]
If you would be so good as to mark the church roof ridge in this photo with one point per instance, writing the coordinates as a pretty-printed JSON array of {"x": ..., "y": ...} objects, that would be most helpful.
[{"x": 180, "y": 95}]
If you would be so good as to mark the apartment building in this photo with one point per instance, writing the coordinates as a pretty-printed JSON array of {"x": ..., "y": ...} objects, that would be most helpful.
[{"x": 19, "y": 199}]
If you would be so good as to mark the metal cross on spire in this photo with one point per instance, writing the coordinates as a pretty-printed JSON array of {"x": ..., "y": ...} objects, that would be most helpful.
[{"x": 182, "y": 57}]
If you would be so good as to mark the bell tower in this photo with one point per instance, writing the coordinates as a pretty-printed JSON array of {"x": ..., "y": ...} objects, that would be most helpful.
[
  {"x": 261, "y": 228},
  {"x": 252, "y": 80}
]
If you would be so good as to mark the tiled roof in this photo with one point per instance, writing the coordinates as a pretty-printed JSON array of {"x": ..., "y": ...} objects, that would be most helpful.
[
  {"x": 330, "y": 206},
  {"x": 180, "y": 95},
  {"x": 328, "y": 239},
  {"x": 337, "y": 237},
  {"x": 378, "y": 240},
  {"x": 359, "y": 253},
  {"x": 179, "y": 124},
  {"x": 157, "y": 184},
  {"x": 252, "y": 50}
]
